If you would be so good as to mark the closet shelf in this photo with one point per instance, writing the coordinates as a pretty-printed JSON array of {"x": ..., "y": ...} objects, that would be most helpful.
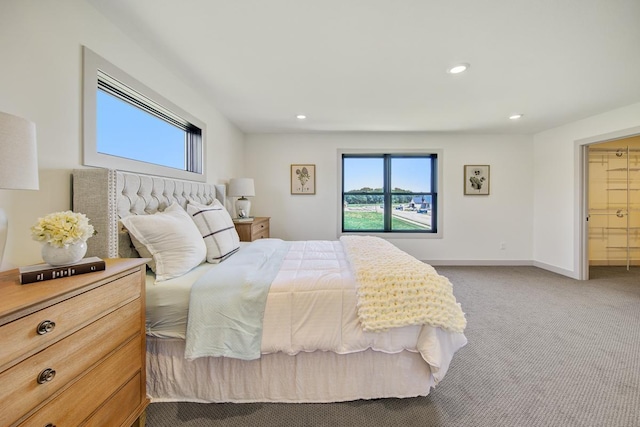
[
  {"x": 623, "y": 247},
  {"x": 613, "y": 150},
  {"x": 612, "y": 211},
  {"x": 623, "y": 228},
  {"x": 623, "y": 170},
  {"x": 614, "y": 228}
]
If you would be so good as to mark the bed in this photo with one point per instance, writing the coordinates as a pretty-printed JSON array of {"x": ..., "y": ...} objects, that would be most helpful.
[{"x": 311, "y": 346}]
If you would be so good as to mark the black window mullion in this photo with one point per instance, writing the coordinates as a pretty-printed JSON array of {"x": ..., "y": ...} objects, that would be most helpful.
[
  {"x": 387, "y": 192},
  {"x": 434, "y": 192},
  {"x": 343, "y": 196}
]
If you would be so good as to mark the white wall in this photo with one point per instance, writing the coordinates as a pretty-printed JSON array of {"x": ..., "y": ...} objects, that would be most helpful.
[
  {"x": 557, "y": 186},
  {"x": 473, "y": 227},
  {"x": 41, "y": 79}
]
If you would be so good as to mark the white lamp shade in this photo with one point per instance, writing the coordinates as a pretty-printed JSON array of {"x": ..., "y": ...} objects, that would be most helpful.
[
  {"x": 18, "y": 162},
  {"x": 241, "y": 187},
  {"x": 18, "y": 153}
]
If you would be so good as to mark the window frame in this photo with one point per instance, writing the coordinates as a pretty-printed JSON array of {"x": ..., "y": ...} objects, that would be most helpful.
[
  {"x": 97, "y": 72},
  {"x": 437, "y": 188}
]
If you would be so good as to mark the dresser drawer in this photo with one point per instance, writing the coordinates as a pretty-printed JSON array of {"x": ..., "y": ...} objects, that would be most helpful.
[
  {"x": 262, "y": 234},
  {"x": 118, "y": 408},
  {"x": 260, "y": 230},
  {"x": 79, "y": 401},
  {"x": 69, "y": 358},
  {"x": 20, "y": 338}
]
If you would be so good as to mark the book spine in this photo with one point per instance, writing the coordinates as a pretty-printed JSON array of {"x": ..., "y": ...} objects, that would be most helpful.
[{"x": 59, "y": 272}]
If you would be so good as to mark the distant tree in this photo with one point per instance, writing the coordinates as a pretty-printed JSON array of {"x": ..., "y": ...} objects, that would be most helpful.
[
  {"x": 400, "y": 190},
  {"x": 400, "y": 195}
]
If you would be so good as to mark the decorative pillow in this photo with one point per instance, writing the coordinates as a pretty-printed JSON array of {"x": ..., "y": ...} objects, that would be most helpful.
[
  {"x": 170, "y": 238},
  {"x": 217, "y": 230}
]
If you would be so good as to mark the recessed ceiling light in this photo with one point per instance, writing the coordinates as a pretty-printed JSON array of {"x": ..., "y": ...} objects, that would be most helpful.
[
  {"x": 301, "y": 117},
  {"x": 515, "y": 116},
  {"x": 457, "y": 69}
]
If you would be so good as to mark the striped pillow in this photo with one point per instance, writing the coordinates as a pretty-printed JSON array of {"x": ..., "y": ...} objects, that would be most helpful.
[{"x": 217, "y": 229}]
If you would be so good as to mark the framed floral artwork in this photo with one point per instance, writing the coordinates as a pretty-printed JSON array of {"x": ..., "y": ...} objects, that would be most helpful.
[
  {"x": 303, "y": 179},
  {"x": 476, "y": 180}
]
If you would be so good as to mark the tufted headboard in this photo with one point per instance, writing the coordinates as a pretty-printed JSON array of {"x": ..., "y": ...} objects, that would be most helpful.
[{"x": 106, "y": 195}]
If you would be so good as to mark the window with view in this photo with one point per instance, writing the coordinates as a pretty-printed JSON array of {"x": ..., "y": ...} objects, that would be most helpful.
[
  {"x": 130, "y": 127},
  {"x": 390, "y": 193}
]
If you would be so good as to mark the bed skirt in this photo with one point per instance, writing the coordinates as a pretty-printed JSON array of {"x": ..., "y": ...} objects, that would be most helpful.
[{"x": 304, "y": 378}]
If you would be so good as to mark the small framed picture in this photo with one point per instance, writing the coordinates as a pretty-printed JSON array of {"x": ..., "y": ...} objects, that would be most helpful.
[
  {"x": 303, "y": 179},
  {"x": 476, "y": 180}
]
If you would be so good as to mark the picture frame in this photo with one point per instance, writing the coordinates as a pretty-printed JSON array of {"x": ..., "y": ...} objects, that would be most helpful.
[
  {"x": 476, "y": 180},
  {"x": 303, "y": 179}
]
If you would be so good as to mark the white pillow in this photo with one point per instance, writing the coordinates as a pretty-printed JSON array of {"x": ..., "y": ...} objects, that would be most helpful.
[
  {"x": 170, "y": 238},
  {"x": 217, "y": 230}
]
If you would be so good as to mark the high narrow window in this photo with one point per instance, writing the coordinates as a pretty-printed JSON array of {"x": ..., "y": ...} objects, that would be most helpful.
[
  {"x": 130, "y": 127},
  {"x": 389, "y": 193}
]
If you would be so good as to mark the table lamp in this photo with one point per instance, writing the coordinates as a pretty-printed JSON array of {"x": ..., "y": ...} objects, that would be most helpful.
[
  {"x": 18, "y": 162},
  {"x": 243, "y": 188}
]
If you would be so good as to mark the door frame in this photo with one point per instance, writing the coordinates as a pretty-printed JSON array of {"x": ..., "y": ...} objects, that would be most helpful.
[{"x": 582, "y": 160}]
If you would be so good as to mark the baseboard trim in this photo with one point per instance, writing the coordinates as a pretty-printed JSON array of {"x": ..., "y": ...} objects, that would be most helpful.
[
  {"x": 554, "y": 269},
  {"x": 501, "y": 262},
  {"x": 476, "y": 262}
]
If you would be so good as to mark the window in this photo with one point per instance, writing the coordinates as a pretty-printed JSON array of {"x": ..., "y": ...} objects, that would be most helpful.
[
  {"x": 128, "y": 126},
  {"x": 390, "y": 193}
]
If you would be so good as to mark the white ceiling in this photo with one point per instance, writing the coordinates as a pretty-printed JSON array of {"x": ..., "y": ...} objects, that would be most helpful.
[{"x": 380, "y": 65}]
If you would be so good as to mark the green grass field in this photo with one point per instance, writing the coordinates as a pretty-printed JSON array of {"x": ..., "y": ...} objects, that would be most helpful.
[{"x": 354, "y": 220}]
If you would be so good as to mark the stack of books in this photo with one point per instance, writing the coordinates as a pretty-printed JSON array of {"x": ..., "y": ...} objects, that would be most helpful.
[{"x": 42, "y": 272}]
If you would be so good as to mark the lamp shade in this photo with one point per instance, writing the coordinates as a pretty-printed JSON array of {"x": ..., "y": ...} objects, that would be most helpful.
[
  {"x": 18, "y": 153},
  {"x": 241, "y": 187}
]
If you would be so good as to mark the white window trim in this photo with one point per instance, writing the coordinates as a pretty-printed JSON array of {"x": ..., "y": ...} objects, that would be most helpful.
[
  {"x": 391, "y": 235},
  {"x": 91, "y": 157}
]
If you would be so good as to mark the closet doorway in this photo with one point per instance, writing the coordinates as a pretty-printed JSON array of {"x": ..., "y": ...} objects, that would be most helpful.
[{"x": 614, "y": 203}]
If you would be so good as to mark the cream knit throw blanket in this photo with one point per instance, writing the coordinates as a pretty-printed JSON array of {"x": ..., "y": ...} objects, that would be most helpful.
[{"x": 395, "y": 289}]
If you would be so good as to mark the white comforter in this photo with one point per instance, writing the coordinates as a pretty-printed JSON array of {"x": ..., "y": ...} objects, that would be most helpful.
[{"x": 312, "y": 306}]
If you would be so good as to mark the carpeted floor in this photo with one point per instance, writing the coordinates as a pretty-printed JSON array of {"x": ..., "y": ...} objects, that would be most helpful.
[{"x": 544, "y": 350}]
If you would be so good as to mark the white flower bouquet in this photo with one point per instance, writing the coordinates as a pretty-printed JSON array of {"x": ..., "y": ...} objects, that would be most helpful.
[{"x": 62, "y": 228}]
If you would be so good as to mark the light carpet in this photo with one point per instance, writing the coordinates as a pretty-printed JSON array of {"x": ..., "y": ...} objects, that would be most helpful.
[{"x": 544, "y": 350}]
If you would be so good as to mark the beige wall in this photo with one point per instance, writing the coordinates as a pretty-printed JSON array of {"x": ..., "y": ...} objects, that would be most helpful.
[
  {"x": 473, "y": 226},
  {"x": 40, "y": 79}
]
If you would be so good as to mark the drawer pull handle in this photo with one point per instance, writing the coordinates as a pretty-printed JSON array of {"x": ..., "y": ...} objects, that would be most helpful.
[
  {"x": 50, "y": 425},
  {"x": 46, "y": 327},
  {"x": 46, "y": 376}
]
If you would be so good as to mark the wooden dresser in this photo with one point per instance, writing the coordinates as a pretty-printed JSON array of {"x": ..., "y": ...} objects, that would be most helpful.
[
  {"x": 72, "y": 350},
  {"x": 254, "y": 230}
]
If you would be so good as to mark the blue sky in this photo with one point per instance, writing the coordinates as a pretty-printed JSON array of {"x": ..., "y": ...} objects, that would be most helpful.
[
  {"x": 407, "y": 173},
  {"x": 126, "y": 131}
]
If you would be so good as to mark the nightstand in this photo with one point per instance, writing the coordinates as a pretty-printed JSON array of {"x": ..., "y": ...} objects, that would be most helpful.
[
  {"x": 72, "y": 350},
  {"x": 253, "y": 230}
]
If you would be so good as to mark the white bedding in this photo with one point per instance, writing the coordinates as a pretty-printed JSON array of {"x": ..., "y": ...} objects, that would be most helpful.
[
  {"x": 319, "y": 315},
  {"x": 320, "y": 376},
  {"x": 168, "y": 302}
]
